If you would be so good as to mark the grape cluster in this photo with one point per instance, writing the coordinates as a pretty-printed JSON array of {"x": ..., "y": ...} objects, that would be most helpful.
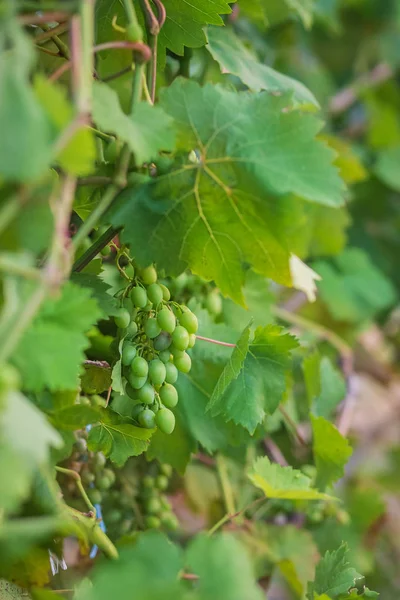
[
  {"x": 154, "y": 504},
  {"x": 156, "y": 334},
  {"x": 188, "y": 286}
]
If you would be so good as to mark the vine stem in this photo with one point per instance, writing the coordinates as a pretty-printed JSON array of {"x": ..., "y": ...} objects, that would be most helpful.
[
  {"x": 229, "y": 517},
  {"x": 74, "y": 475},
  {"x": 211, "y": 341},
  {"x": 225, "y": 484}
]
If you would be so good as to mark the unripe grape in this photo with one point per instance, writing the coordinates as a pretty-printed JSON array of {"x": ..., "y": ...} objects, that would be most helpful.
[
  {"x": 110, "y": 474},
  {"x": 192, "y": 340},
  {"x": 183, "y": 363},
  {"x": 149, "y": 275},
  {"x": 147, "y": 418},
  {"x": 165, "y": 356},
  {"x": 171, "y": 375},
  {"x": 136, "y": 382},
  {"x": 130, "y": 391},
  {"x": 88, "y": 477},
  {"x": 189, "y": 321},
  {"x": 168, "y": 395},
  {"x": 162, "y": 483},
  {"x": 214, "y": 303},
  {"x": 169, "y": 521},
  {"x": 180, "y": 338},
  {"x": 84, "y": 401},
  {"x": 157, "y": 371},
  {"x": 148, "y": 482},
  {"x": 139, "y": 366},
  {"x": 146, "y": 394},
  {"x": 136, "y": 410},
  {"x": 99, "y": 460},
  {"x": 166, "y": 469},
  {"x": 166, "y": 320},
  {"x": 128, "y": 354},
  {"x": 152, "y": 522},
  {"x": 95, "y": 496},
  {"x": 81, "y": 445},
  {"x": 122, "y": 318},
  {"x": 165, "y": 421},
  {"x": 155, "y": 293},
  {"x": 113, "y": 516},
  {"x": 98, "y": 401},
  {"x": 166, "y": 292},
  {"x": 152, "y": 328},
  {"x": 165, "y": 503},
  {"x": 175, "y": 351},
  {"x": 106, "y": 251},
  {"x": 103, "y": 483},
  {"x": 139, "y": 297},
  {"x": 153, "y": 505},
  {"x": 162, "y": 341},
  {"x": 132, "y": 329}
]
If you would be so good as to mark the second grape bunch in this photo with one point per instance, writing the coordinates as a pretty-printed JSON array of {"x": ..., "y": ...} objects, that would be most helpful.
[{"x": 156, "y": 333}]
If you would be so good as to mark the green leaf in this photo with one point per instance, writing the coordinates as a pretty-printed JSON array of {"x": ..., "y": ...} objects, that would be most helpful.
[
  {"x": 155, "y": 576},
  {"x": 51, "y": 350},
  {"x": 175, "y": 449},
  {"x": 22, "y": 120},
  {"x": 233, "y": 57},
  {"x": 260, "y": 383},
  {"x": 353, "y": 288},
  {"x": 99, "y": 291},
  {"x": 214, "y": 210},
  {"x": 325, "y": 385},
  {"x": 333, "y": 575},
  {"x": 79, "y": 154},
  {"x": 224, "y": 569},
  {"x": 311, "y": 372},
  {"x": 387, "y": 167},
  {"x": 147, "y": 132},
  {"x": 282, "y": 482},
  {"x": 96, "y": 378},
  {"x": 75, "y": 417},
  {"x": 281, "y": 10},
  {"x": 117, "y": 438},
  {"x": 331, "y": 452}
]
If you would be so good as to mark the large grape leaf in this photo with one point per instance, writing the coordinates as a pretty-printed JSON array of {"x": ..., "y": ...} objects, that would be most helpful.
[
  {"x": 282, "y": 482},
  {"x": 214, "y": 211},
  {"x": 118, "y": 438},
  {"x": 234, "y": 57},
  {"x": 331, "y": 452},
  {"x": 51, "y": 350},
  {"x": 333, "y": 575},
  {"x": 252, "y": 384}
]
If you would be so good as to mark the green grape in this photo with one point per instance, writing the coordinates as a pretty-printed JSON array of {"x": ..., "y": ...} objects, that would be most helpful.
[
  {"x": 165, "y": 356},
  {"x": 128, "y": 354},
  {"x": 192, "y": 340},
  {"x": 175, "y": 351},
  {"x": 183, "y": 363},
  {"x": 95, "y": 495},
  {"x": 130, "y": 391},
  {"x": 147, "y": 418},
  {"x": 149, "y": 275},
  {"x": 106, "y": 251},
  {"x": 152, "y": 522},
  {"x": 165, "y": 421},
  {"x": 139, "y": 297},
  {"x": 169, "y": 521},
  {"x": 139, "y": 366},
  {"x": 157, "y": 371},
  {"x": 103, "y": 483},
  {"x": 110, "y": 474},
  {"x": 153, "y": 506},
  {"x": 81, "y": 445},
  {"x": 162, "y": 483},
  {"x": 162, "y": 342},
  {"x": 136, "y": 410},
  {"x": 88, "y": 477},
  {"x": 85, "y": 401},
  {"x": 98, "y": 401},
  {"x": 171, "y": 375},
  {"x": 148, "y": 482},
  {"x": 122, "y": 318},
  {"x": 132, "y": 329},
  {"x": 166, "y": 469},
  {"x": 99, "y": 460},
  {"x": 155, "y": 293},
  {"x": 169, "y": 395},
  {"x": 146, "y": 394},
  {"x": 166, "y": 320},
  {"x": 152, "y": 328},
  {"x": 136, "y": 382},
  {"x": 113, "y": 516},
  {"x": 165, "y": 503},
  {"x": 134, "y": 32},
  {"x": 189, "y": 321},
  {"x": 126, "y": 526},
  {"x": 180, "y": 338},
  {"x": 213, "y": 303},
  {"x": 165, "y": 291}
]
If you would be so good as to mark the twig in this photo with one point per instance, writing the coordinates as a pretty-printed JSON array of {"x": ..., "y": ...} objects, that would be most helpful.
[
  {"x": 45, "y": 17},
  {"x": 225, "y": 484},
  {"x": 190, "y": 577},
  {"x": 293, "y": 425},
  {"x": 9, "y": 266},
  {"x": 74, "y": 475},
  {"x": 47, "y": 35},
  {"x": 211, "y": 341},
  {"x": 229, "y": 517},
  {"x": 275, "y": 452}
]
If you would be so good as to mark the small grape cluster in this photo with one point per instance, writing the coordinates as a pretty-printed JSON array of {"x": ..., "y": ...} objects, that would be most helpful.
[
  {"x": 156, "y": 334},
  {"x": 187, "y": 286},
  {"x": 155, "y": 505}
]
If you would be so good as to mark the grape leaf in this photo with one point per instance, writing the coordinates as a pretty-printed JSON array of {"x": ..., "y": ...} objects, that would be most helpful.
[
  {"x": 99, "y": 291},
  {"x": 224, "y": 569},
  {"x": 118, "y": 438},
  {"x": 281, "y": 10},
  {"x": 96, "y": 378},
  {"x": 353, "y": 288},
  {"x": 233, "y": 57},
  {"x": 260, "y": 382},
  {"x": 51, "y": 350},
  {"x": 75, "y": 417},
  {"x": 147, "y": 131},
  {"x": 311, "y": 372},
  {"x": 387, "y": 167},
  {"x": 333, "y": 575},
  {"x": 325, "y": 385},
  {"x": 331, "y": 452},
  {"x": 214, "y": 211},
  {"x": 22, "y": 119},
  {"x": 282, "y": 482}
]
